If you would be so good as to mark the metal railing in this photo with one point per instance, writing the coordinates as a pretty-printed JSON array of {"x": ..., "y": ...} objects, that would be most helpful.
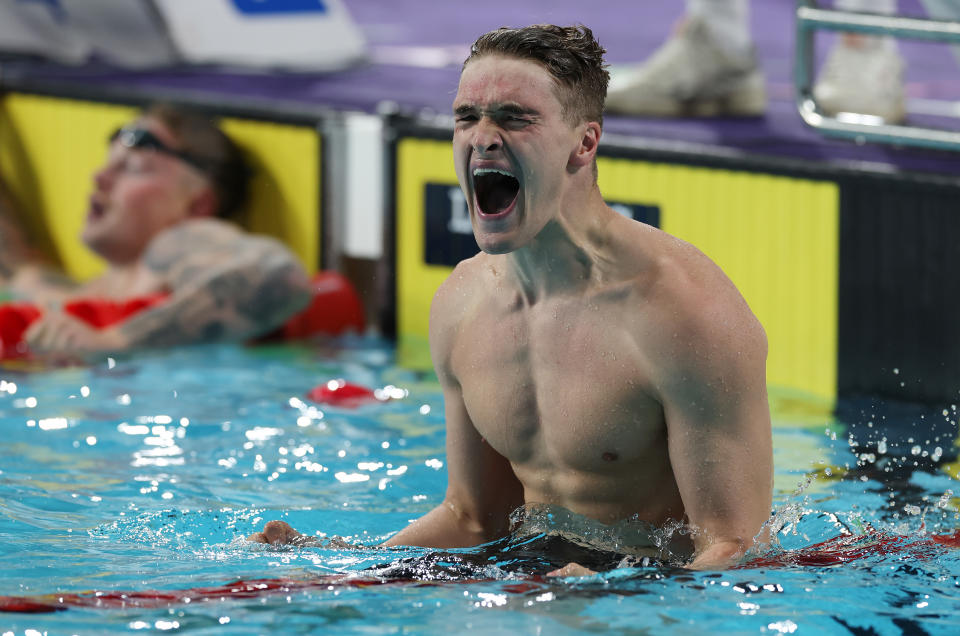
[{"x": 811, "y": 18}]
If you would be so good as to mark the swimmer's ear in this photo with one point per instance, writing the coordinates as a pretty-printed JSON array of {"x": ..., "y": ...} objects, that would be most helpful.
[
  {"x": 204, "y": 203},
  {"x": 586, "y": 150}
]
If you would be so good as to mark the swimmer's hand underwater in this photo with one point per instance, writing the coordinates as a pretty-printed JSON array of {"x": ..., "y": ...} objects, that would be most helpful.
[
  {"x": 282, "y": 533},
  {"x": 277, "y": 533}
]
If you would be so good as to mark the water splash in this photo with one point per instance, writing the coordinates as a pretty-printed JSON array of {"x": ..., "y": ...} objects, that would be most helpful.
[{"x": 669, "y": 543}]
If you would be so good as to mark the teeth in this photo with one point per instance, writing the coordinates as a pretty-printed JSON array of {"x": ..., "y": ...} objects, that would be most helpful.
[{"x": 482, "y": 171}]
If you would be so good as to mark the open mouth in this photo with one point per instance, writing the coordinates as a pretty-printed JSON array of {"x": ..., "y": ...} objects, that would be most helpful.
[{"x": 495, "y": 189}]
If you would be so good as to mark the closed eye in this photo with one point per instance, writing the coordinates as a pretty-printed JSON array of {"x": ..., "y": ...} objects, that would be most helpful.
[
  {"x": 465, "y": 113},
  {"x": 516, "y": 121}
]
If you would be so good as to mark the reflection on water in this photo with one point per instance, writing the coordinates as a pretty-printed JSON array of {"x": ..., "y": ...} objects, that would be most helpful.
[{"x": 147, "y": 473}]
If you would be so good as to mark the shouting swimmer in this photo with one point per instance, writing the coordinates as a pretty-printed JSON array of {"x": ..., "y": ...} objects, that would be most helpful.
[
  {"x": 587, "y": 360},
  {"x": 157, "y": 215}
]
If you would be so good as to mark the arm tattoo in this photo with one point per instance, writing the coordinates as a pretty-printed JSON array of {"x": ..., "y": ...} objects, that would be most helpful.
[{"x": 226, "y": 286}]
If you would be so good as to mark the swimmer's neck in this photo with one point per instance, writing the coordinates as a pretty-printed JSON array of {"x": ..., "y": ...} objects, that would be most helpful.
[{"x": 569, "y": 253}]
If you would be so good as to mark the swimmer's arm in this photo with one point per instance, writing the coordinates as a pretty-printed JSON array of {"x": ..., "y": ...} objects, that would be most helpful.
[
  {"x": 482, "y": 489},
  {"x": 718, "y": 427},
  {"x": 225, "y": 285}
]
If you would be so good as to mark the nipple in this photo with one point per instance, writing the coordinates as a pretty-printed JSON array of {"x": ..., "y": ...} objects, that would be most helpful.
[{"x": 610, "y": 457}]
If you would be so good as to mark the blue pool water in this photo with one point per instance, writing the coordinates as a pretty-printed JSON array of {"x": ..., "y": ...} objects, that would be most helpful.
[{"x": 146, "y": 474}]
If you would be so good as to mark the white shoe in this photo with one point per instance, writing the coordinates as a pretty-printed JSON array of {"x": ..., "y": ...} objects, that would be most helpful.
[
  {"x": 865, "y": 78},
  {"x": 690, "y": 75}
]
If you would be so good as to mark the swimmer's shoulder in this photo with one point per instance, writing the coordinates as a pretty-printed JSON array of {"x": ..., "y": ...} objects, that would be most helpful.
[
  {"x": 211, "y": 239},
  {"x": 687, "y": 293},
  {"x": 670, "y": 268},
  {"x": 203, "y": 249},
  {"x": 467, "y": 282},
  {"x": 455, "y": 300},
  {"x": 193, "y": 232}
]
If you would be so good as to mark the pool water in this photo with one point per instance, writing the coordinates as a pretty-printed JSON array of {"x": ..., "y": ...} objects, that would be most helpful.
[{"x": 145, "y": 474}]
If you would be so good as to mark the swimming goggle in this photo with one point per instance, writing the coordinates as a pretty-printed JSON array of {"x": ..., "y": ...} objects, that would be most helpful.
[{"x": 142, "y": 138}]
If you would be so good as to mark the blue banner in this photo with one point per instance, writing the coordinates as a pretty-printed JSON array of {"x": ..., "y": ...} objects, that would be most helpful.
[{"x": 260, "y": 7}]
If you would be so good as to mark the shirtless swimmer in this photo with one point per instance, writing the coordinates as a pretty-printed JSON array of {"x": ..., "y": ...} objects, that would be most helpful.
[{"x": 587, "y": 360}]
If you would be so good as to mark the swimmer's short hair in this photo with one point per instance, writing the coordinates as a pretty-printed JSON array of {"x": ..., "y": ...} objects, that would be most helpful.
[
  {"x": 198, "y": 136},
  {"x": 571, "y": 55}
]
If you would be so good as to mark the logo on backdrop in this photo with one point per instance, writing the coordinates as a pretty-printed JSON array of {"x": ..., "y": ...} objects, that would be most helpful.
[
  {"x": 448, "y": 235},
  {"x": 280, "y": 6}
]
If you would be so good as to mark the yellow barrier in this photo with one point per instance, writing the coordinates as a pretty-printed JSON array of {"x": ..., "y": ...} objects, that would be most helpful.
[
  {"x": 285, "y": 192},
  {"x": 776, "y": 237},
  {"x": 419, "y": 162}
]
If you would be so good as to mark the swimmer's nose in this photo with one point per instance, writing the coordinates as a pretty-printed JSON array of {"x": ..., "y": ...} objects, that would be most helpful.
[
  {"x": 103, "y": 177},
  {"x": 486, "y": 138}
]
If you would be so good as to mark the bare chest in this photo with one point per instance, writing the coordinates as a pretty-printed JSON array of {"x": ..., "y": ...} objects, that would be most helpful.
[{"x": 563, "y": 389}]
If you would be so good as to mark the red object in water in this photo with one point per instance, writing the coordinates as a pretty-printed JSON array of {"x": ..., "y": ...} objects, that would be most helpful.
[
  {"x": 341, "y": 393},
  {"x": 950, "y": 540},
  {"x": 165, "y": 598},
  {"x": 847, "y": 548},
  {"x": 103, "y": 312},
  {"x": 335, "y": 309},
  {"x": 15, "y": 319}
]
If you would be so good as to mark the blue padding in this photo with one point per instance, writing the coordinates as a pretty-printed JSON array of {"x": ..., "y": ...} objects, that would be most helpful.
[{"x": 280, "y": 6}]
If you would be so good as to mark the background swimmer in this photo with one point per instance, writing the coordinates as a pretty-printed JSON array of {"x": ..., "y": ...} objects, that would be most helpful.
[
  {"x": 587, "y": 360},
  {"x": 157, "y": 216}
]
